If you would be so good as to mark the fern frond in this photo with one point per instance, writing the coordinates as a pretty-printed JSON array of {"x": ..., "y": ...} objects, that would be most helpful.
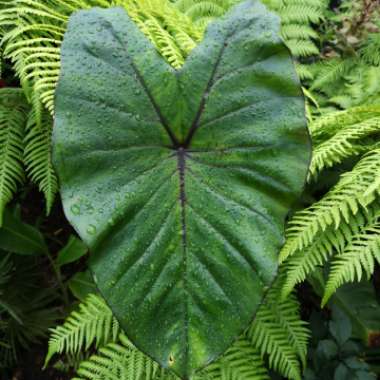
[
  {"x": 34, "y": 29},
  {"x": 185, "y": 33},
  {"x": 92, "y": 323},
  {"x": 328, "y": 72},
  {"x": 13, "y": 110},
  {"x": 197, "y": 10},
  {"x": 296, "y": 17},
  {"x": 358, "y": 257},
  {"x": 297, "y": 31},
  {"x": 118, "y": 361},
  {"x": 328, "y": 124},
  {"x": 121, "y": 360},
  {"x": 297, "y": 11},
  {"x": 344, "y": 200},
  {"x": 170, "y": 31},
  {"x": 359, "y": 86},
  {"x": 371, "y": 48},
  {"x": 301, "y": 48},
  {"x": 38, "y": 155},
  {"x": 345, "y": 143},
  {"x": 327, "y": 243},
  {"x": 201, "y": 11},
  {"x": 350, "y": 78},
  {"x": 168, "y": 47},
  {"x": 304, "y": 72},
  {"x": 279, "y": 333},
  {"x": 242, "y": 361}
]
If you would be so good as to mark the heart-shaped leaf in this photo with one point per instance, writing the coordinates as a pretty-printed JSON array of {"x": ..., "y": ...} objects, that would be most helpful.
[{"x": 180, "y": 181}]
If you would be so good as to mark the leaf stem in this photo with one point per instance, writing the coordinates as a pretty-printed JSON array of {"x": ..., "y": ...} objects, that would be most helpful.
[{"x": 58, "y": 275}]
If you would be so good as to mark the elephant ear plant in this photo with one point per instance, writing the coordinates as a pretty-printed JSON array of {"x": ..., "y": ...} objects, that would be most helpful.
[{"x": 180, "y": 181}]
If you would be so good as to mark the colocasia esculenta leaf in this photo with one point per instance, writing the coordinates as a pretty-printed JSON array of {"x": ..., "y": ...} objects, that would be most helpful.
[{"x": 180, "y": 181}]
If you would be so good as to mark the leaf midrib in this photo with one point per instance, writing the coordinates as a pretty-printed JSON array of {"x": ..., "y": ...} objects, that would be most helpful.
[
  {"x": 181, "y": 154},
  {"x": 181, "y": 151}
]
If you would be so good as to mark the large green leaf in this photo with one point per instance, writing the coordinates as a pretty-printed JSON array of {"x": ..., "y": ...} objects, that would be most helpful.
[{"x": 180, "y": 181}]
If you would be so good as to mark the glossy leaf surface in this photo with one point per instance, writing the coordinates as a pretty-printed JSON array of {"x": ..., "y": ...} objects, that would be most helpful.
[{"x": 180, "y": 181}]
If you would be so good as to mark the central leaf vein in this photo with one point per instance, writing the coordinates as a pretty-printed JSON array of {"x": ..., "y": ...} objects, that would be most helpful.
[
  {"x": 144, "y": 85},
  {"x": 182, "y": 198},
  {"x": 195, "y": 123},
  {"x": 164, "y": 123}
]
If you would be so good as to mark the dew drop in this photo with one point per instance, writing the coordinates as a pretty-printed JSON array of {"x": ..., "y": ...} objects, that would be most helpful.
[
  {"x": 91, "y": 229},
  {"x": 75, "y": 209}
]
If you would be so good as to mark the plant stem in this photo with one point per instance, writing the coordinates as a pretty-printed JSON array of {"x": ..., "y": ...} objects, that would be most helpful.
[{"x": 58, "y": 275}]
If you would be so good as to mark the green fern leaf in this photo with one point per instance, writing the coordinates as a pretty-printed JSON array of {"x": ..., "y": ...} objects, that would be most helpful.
[
  {"x": 301, "y": 47},
  {"x": 325, "y": 126},
  {"x": 330, "y": 71},
  {"x": 345, "y": 143},
  {"x": 301, "y": 12},
  {"x": 359, "y": 256},
  {"x": 353, "y": 191},
  {"x": 298, "y": 31},
  {"x": 242, "y": 361},
  {"x": 93, "y": 323},
  {"x": 279, "y": 333},
  {"x": 33, "y": 31},
  {"x": 12, "y": 124},
  {"x": 118, "y": 361},
  {"x": 37, "y": 155},
  {"x": 327, "y": 243}
]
